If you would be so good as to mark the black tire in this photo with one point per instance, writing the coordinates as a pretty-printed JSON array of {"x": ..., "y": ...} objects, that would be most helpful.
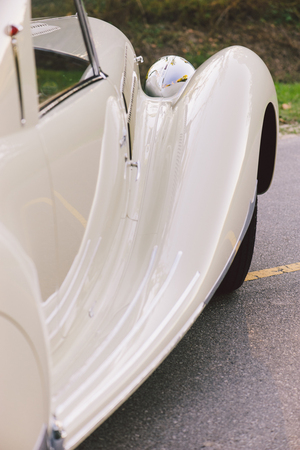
[{"x": 238, "y": 270}]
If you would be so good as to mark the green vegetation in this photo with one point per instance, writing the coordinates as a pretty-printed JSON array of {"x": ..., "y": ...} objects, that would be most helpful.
[
  {"x": 53, "y": 82},
  {"x": 57, "y": 72},
  {"x": 289, "y": 102},
  {"x": 186, "y": 12},
  {"x": 195, "y": 12},
  {"x": 54, "y": 8},
  {"x": 196, "y": 29}
]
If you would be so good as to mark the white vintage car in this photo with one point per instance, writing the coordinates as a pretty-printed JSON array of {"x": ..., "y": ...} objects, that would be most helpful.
[{"x": 122, "y": 212}]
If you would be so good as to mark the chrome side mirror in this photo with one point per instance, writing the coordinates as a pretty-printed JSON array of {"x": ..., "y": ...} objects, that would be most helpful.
[{"x": 168, "y": 76}]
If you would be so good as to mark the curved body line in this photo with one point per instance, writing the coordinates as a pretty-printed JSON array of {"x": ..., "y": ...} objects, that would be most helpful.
[{"x": 104, "y": 284}]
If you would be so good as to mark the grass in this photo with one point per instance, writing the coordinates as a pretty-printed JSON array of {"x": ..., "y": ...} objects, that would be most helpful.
[{"x": 289, "y": 102}]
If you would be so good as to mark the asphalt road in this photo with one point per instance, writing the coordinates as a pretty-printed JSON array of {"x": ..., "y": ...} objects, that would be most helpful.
[{"x": 233, "y": 382}]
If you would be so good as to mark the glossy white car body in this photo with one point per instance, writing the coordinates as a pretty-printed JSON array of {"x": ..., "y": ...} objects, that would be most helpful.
[{"x": 110, "y": 245}]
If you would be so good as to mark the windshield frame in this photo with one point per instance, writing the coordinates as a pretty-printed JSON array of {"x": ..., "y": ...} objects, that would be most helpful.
[{"x": 92, "y": 58}]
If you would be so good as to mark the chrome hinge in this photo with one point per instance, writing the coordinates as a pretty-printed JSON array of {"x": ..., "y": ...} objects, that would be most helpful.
[
  {"x": 130, "y": 163},
  {"x": 139, "y": 59},
  {"x": 57, "y": 436},
  {"x": 124, "y": 138}
]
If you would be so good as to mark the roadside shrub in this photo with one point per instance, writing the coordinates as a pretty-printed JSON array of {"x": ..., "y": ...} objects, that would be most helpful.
[{"x": 195, "y": 12}]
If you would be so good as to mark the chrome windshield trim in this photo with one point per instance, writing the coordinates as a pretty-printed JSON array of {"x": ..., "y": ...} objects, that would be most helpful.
[
  {"x": 56, "y": 101},
  {"x": 14, "y": 43},
  {"x": 87, "y": 37}
]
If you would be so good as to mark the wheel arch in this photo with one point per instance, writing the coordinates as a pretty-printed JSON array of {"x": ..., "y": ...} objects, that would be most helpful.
[{"x": 267, "y": 151}]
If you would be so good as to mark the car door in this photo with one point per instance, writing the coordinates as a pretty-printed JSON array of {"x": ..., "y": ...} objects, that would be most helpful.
[
  {"x": 26, "y": 207},
  {"x": 82, "y": 123}
]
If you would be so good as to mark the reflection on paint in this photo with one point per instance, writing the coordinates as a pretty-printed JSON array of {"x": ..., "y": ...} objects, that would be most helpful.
[
  {"x": 98, "y": 392},
  {"x": 118, "y": 350},
  {"x": 78, "y": 291},
  {"x": 231, "y": 238},
  {"x": 71, "y": 209},
  {"x": 113, "y": 333}
]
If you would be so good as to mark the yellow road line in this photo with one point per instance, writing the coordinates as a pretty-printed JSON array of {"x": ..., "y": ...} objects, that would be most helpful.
[{"x": 274, "y": 271}]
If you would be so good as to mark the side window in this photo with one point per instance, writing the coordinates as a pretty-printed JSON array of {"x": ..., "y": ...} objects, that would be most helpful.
[{"x": 61, "y": 57}]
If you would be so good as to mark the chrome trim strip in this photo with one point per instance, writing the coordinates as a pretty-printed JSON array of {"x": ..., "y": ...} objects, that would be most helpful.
[
  {"x": 14, "y": 44},
  {"x": 61, "y": 53},
  {"x": 234, "y": 251},
  {"x": 58, "y": 435},
  {"x": 42, "y": 440},
  {"x": 70, "y": 92},
  {"x": 132, "y": 93},
  {"x": 124, "y": 75},
  {"x": 139, "y": 59},
  {"x": 87, "y": 37},
  {"x": 130, "y": 163}
]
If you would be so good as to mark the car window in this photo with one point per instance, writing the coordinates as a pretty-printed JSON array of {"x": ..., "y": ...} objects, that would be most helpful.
[{"x": 61, "y": 57}]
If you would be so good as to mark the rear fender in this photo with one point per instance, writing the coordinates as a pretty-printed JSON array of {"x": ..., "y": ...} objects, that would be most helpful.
[
  {"x": 24, "y": 353},
  {"x": 230, "y": 133},
  {"x": 209, "y": 157}
]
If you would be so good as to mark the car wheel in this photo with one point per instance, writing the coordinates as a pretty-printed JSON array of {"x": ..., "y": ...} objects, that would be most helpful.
[{"x": 238, "y": 270}]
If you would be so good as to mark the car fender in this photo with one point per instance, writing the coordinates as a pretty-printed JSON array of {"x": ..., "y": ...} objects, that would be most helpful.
[
  {"x": 24, "y": 352},
  {"x": 202, "y": 175},
  {"x": 221, "y": 118}
]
